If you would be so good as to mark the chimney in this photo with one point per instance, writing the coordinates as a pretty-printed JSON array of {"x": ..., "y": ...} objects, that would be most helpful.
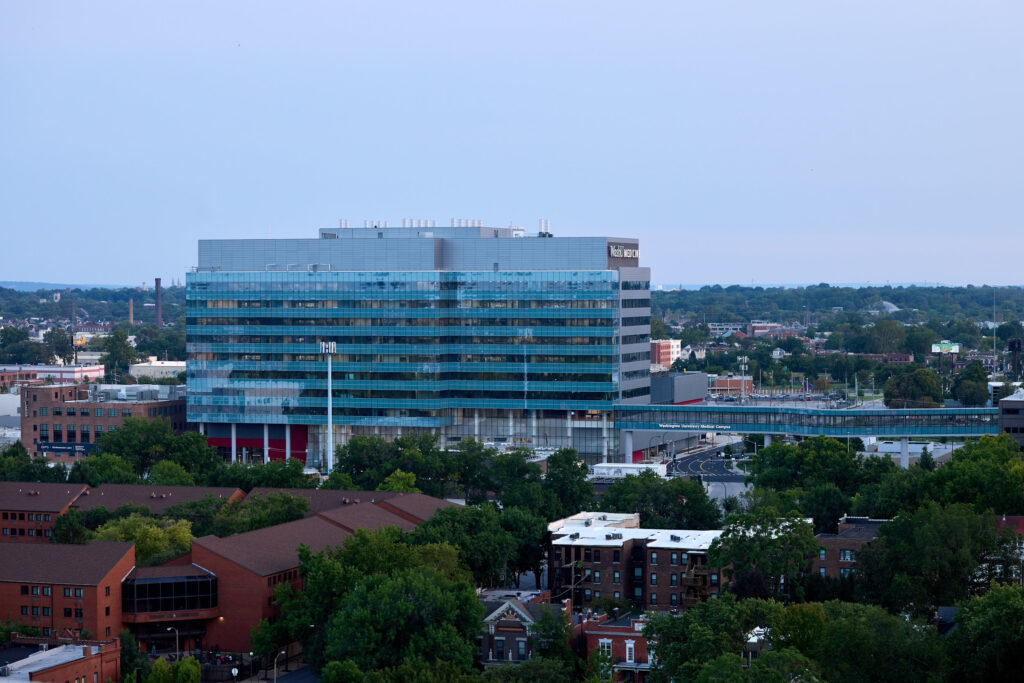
[
  {"x": 159, "y": 311},
  {"x": 131, "y": 311}
]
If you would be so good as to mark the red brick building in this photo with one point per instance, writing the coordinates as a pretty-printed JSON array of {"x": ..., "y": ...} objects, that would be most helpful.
[
  {"x": 156, "y": 498},
  {"x": 63, "y": 661},
  {"x": 62, "y": 421},
  {"x": 620, "y": 638},
  {"x": 29, "y": 510},
  {"x": 653, "y": 569},
  {"x": 65, "y": 590},
  {"x": 837, "y": 553}
]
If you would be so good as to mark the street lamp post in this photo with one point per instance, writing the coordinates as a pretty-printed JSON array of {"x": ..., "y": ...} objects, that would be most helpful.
[
  {"x": 177, "y": 649},
  {"x": 329, "y": 349},
  {"x": 275, "y": 664}
]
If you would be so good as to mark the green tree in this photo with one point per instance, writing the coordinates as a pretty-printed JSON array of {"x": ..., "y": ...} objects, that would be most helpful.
[
  {"x": 826, "y": 504},
  {"x": 533, "y": 670},
  {"x": 199, "y": 513},
  {"x": 141, "y": 442},
  {"x": 132, "y": 658},
  {"x": 160, "y": 672},
  {"x": 764, "y": 552},
  {"x": 971, "y": 385},
  {"x": 168, "y": 473},
  {"x": 469, "y": 469},
  {"x": 155, "y": 540},
  {"x": 663, "y": 504},
  {"x": 989, "y": 637},
  {"x": 186, "y": 670},
  {"x": 517, "y": 482},
  {"x": 529, "y": 532},
  {"x": 400, "y": 482},
  {"x": 484, "y": 547},
  {"x": 104, "y": 468},
  {"x": 258, "y": 512},
  {"x": 914, "y": 388},
  {"x": 927, "y": 558},
  {"x": 338, "y": 481},
  {"x": 852, "y": 643},
  {"x": 566, "y": 481},
  {"x": 60, "y": 344},
  {"x": 70, "y": 528},
  {"x": 119, "y": 354}
]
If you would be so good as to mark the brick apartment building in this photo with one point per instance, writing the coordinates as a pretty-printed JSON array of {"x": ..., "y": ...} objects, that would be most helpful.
[
  {"x": 61, "y": 661},
  {"x": 665, "y": 351},
  {"x": 837, "y": 554},
  {"x": 508, "y": 630},
  {"x": 65, "y": 590},
  {"x": 620, "y": 638},
  {"x": 595, "y": 555},
  {"x": 28, "y": 510},
  {"x": 62, "y": 421}
]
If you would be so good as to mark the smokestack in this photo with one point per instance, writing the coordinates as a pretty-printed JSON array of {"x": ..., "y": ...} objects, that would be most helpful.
[
  {"x": 159, "y": 310},
  {"x": 131, "y": 311}
]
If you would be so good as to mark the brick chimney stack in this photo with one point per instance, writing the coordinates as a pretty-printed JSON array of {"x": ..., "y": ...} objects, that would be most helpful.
[{"x": 159, "y": 310}]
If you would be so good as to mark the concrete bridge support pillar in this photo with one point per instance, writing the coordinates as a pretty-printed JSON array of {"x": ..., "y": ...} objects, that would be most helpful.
[
  {"x": 234, "y": 442},
  {"x": 627, "y": 446},
  {"x": 604, "y": 437},
  {"x": 287, "y": 441},
  {"x": 767, "y": 440},
  {"x": 476, "y": 424},
  {"x": 904, "y": 452}
]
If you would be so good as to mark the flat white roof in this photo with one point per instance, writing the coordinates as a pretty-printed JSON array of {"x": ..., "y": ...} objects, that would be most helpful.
[
  {"x": 22, "y": 669},
  {"x": 669, "y": 539},
  {"x": 595, "y": 519}
]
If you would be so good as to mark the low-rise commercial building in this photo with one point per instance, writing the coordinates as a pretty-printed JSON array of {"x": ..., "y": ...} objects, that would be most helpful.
[
  {"x": 12, "y": 375},
  {"x": 55, "y": 660},
  {"x": 61, "y": 422},
  {"x": 1011, "y": 416},
  {"x": 157, "y": 369}
]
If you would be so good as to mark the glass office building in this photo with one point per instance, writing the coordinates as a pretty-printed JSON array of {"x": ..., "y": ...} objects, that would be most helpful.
[{"x": 466, "y": 332}]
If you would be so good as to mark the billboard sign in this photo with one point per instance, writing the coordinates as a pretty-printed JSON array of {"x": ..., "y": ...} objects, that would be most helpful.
[{"x": 945, "y": 347}]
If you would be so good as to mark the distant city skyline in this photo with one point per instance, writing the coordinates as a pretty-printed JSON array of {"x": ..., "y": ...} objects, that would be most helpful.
[{"x": 791, "y": 142}]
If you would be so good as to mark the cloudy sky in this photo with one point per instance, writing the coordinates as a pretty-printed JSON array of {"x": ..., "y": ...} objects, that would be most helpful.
[{"x": 768, "y": 142}]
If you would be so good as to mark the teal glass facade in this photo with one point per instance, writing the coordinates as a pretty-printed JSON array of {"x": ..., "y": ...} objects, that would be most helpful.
[{"x": 464, "y": 349}]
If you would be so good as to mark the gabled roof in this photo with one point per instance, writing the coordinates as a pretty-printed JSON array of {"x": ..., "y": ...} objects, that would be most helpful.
[
  {"x": 25, "y": 496},
  {"x": 418, "y": 506},
  {"x": 528, "y": 612},
  {"x": 77, "y": 565},
  {"x": 365, "y": 516},
  {"x": 156, "y": 498},
  {"x": 325, "y": 499},
  {"x": 275, "y": 548}
]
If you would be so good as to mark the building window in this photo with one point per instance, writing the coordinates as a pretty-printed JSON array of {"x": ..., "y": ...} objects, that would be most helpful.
[
  {"x": 586, "y": 574},
  {"x": 499, "y": 643},
  {"x": 586, "y": 592},
  {"x": 821, "y": 571},
  {"x": 67, "y": 612},
  {"x": 35, "y": 611},
  {"x": 654, "y": 579},
  {"x": 630, "y": 651},
  {"x": 654, "y": 598},
  {"x": 47, "y": 519},
  {"x": 106, "y": 589},
  {"x": 673, "y": 558},
  {"x": 615, "y": 577},
  {"x": 67, "y": 593},
  {"x": 78, "y": 591},
  {"x": 682, "y": 558},
  {"x": 35, "y": 590},
  {"x": 31, "y": 518},
  {"x": 714, "y": 579},
  {"x": 615, "y": 556},
  {"x": 597, "y": 555},
  {"x": 107, "y": 611},
  {"x": 46, "y": 630},
  {"x": 24, "y": 610},
  {"x": 78, "y": 613},
  {"x": 45, "y": 412},
  {"x": 673, "y": 600},
  {"x": 586, "y": 551},
  {"x": 821, "y": 553},
  {"x": 845, "y": 572},
  {"x": 46, "y": 611},
  {"x": 107, "y": 631},
  {"x": 597, "y": 577},
  {"x": 604, "y": 646},
  {"x": 24, "y": 590},
  {"x": 521, "y": 649},
  {"x": 617, "y": 595},
  {"x": 673, "y": 580},
  {"x": 638, "y": 573},
  {"x": 847, "y": 556},
  {"x": 654, "y": 555}
]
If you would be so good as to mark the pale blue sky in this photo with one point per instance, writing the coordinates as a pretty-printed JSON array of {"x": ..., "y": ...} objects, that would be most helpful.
[{"x": 774, "y": 142}]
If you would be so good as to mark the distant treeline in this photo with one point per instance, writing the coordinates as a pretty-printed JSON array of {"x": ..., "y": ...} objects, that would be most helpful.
[
  {"x": 820, "y": 304},
  {"x": 91, "y": 304}
]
